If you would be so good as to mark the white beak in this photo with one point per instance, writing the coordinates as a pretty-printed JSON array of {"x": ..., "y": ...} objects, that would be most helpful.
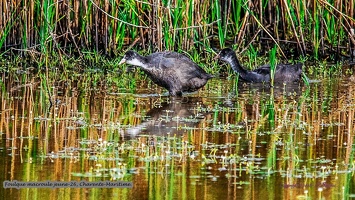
[{"x": 122, "y": 61}]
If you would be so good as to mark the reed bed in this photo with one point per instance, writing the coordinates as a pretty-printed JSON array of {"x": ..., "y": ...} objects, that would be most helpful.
[{"x": 321, "y": 28}]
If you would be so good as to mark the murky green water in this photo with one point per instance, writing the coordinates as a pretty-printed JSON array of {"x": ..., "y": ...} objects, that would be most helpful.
[{"x": 224, "y": 142}]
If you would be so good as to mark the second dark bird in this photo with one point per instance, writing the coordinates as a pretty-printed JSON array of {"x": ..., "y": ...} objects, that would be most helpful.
[{"x": 284, "y": 73}]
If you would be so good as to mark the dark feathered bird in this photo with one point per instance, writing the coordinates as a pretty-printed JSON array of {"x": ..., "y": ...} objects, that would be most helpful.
[
  {"x": 283, "y": 73},
  {"x": 173, "y": 71}
]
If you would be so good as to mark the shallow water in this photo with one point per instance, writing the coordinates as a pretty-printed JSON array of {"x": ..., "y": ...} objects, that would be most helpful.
[{"x": 226, "y": 141}]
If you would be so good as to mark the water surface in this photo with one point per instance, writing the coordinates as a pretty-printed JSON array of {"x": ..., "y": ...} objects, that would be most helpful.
[{"x": 226, "y": 141}]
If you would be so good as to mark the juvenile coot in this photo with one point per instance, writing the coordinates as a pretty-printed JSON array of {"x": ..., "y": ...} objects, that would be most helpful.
[
  {"x": 283, "y": 73},
  {"x": 171, "y": 70}
]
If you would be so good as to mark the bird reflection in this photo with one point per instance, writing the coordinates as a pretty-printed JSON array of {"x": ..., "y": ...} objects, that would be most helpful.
[
  {"x": 289, "y": 90},
  {"x": 175, "y": 117}
]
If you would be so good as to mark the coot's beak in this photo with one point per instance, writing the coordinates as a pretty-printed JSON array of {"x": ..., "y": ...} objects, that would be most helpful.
[
  {"x": 216, "y": 57},
  {"x": 122, "y": 61}
]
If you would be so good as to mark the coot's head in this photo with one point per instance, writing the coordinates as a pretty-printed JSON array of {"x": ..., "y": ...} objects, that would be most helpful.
[
  {"x": 226, "y": 55},
  {"x": 132, "y": 58}
]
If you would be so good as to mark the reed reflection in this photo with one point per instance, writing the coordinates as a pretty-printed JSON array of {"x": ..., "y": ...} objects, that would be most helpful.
[{"x": 171, "y": 117}]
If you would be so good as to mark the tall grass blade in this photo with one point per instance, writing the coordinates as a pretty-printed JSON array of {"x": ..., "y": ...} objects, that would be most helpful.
[
  {"x": 221, "y": 36},
  {"x": 273, "y": 64}
]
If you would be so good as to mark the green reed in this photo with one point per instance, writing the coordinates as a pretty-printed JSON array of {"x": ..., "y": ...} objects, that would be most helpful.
[
  {"x": 273, "y": 64},
  {"x": 236, "y": 16},
  {"x": 252, "y": 54},
  {"x": 8, "y": 25},
  {"x": 134, "y": 19},
  {"x": 221, "y": 28},
  {"x": 177, "y": 18},
  {"x": 294, "y": 22},
  {"x": 316, "y": 30},
  {"x": 312, "y": 27},
  {"x": 47, "y": 10}
]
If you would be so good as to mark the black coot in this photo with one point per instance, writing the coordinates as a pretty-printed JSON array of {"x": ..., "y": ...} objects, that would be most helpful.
[
  {"x": 284, "y": 72},
  {"x": 173, "y": 71}
]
